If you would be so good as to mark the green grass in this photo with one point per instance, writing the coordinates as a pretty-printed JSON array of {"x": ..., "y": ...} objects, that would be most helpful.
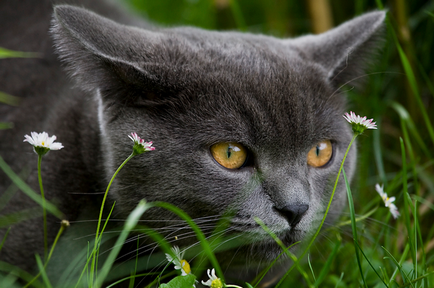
[{"x": 367, "y": 247}]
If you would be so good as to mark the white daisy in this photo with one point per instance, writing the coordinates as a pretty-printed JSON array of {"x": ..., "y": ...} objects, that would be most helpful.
[
  {"x": 380, "y": 191},
  {"x": 213, "y": 281},
  {"x": 42, "y": 143},
  {"x": 180, "y": 263},
  {"x": 394, "y": 211},
  {"x": 140, "y": 146},
  {"x": 388, "y": 202},
  {"x": 358, "y": 123}
]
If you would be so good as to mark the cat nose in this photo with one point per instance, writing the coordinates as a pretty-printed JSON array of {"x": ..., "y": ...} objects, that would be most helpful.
[{"x": 293, "y": 213}]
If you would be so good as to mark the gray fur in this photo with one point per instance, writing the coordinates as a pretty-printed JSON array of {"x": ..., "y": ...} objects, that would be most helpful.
[{"x": 185, "y": 89}]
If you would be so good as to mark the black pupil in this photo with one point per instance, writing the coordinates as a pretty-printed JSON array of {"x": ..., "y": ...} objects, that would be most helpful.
[
  {"x": 229, "y": 152},
  {"x": 317, "y": 150}
]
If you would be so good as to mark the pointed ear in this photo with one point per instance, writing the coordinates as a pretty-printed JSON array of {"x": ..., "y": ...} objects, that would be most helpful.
[
  {"x": 101, "y": 54},
  {"x": 345, "y": 51}
]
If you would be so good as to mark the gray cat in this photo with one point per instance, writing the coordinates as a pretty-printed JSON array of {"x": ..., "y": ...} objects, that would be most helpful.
[{"x": 244, "y": 123}]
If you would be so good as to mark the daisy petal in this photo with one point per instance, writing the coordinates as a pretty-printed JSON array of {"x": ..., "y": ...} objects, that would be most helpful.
[
  {"x": 42, "y": 143},
  {"x": 358, "y": 123},
  {"x": 140, "y": 146},
  {"x": 388, "y": 201}
]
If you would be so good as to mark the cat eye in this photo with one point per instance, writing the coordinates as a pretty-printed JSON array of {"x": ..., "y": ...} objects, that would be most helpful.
[
  {"x": 320, "y": 154},
  {"x": 230, "y": 155}
]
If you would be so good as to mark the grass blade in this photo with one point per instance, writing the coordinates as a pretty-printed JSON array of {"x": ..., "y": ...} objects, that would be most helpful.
[
  {"x": 16, "y": 217},
  {"x": 200, "y": 236},
  {"x": 6, "y": 53},
  {"x": 398, "y": 265},
  {"x": 24, "y": 275},
  {"x": 42, "y": 272},
  {"x": 405, "y": 117},
  {"x": 418, "y": 279},
  {"x": 4, "y": 238},
  {"x": 340, "y": 279},
  {"x": 354, "y": 225},
  {"x": 131, "y": 222},
  {"x": 326, "y": 268},
  {"x": 286, "y": 250},
  {"x": 238, "y": 15},
  {"x": 6, "y": 125},
  {"x": 370, "y": 264},
  {"x": 407, "y": 204},
  {"x": 9, "y": 99},
  {"x": 262, "y": 274},
  {"x": 412, "y": 81},
  {"x": 310, "y": 267},
  {"x": 29, "y": 191}
]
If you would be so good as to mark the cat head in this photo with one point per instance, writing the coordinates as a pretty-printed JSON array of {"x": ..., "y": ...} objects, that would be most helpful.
[{"x": 244, "y": 124}]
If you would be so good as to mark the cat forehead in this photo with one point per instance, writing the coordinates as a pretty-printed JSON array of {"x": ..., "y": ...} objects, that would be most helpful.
[
  {"x": 236, "y": 41},
  {"x": 241, "y": 61},
  {"x": 250, "y": 88},
  {"x": 194, "y": 47},
  {"x": 284, "y": 111}
]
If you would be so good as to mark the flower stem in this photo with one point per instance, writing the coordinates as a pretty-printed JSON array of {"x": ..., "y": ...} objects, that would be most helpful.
[
  {"x": 44, "y": 212},
  {"x": 102, "y": 209},
  {"x": 106, "y": 192},
  {"x": 62, "y": 228},
  {"x": 325, "y": 214}
]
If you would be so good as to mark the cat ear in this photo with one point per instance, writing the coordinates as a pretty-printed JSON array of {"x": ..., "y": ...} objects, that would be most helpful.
[
  {"x": 345, "y": 51},
  {"x": 104, "y": 55}
]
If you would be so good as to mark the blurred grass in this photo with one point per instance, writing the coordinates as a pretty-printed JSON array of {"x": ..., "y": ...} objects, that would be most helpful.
[
  {"x": 6, "y": 53},
  {"x": 399, "y": 95}
]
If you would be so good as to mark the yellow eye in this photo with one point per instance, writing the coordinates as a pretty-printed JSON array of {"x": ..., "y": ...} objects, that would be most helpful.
[
  {"x": 230, "y": 155},
  {"x": 320, "y": 154}
]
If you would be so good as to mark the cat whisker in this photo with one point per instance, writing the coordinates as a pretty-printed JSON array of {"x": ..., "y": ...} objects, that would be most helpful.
[
  {"x": 86, "y": 193},
  {"x": 196, "y": 220},
  {"x": 183, "y": 236},
  {"x": 214, "y": 247},
  {"x": 367, "y": 219}
]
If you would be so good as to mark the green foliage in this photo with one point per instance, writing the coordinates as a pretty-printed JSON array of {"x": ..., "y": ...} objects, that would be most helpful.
[
  {"x": 198, "y": 13},
  {"x": 186, "y": 281}
]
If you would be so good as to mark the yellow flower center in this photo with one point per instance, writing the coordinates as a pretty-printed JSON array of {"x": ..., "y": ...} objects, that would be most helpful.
[
  {"x": 185, "y": 266},
  {"x": 43, "y": 143},
  {"x": 216, "y": 283}
]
